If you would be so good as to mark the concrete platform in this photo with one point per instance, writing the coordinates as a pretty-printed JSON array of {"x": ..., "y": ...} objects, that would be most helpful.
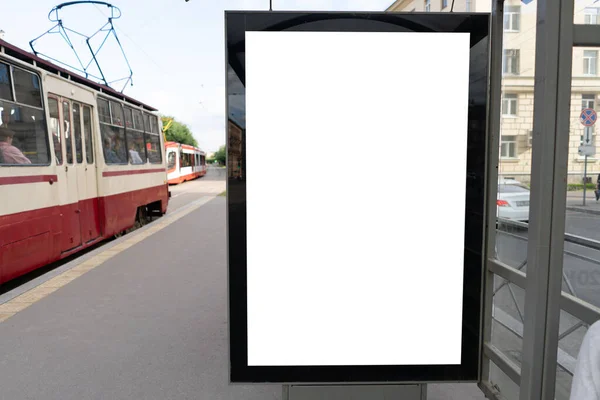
[{"x": 148, "y": 321}]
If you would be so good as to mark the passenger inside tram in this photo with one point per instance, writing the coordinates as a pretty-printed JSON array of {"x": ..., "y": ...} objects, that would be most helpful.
[
  {"x": 119, "y": 147},
  {"x": 10, "y": 154},
  {"x": 109, "y": 154},
  {"x": 134, "y": 155}
]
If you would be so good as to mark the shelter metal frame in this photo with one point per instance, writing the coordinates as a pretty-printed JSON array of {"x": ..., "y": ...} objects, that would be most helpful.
[{"x": 556, "y": 37}]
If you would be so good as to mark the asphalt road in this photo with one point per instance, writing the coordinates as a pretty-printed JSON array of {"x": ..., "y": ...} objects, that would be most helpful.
[
  {"x": 581, "y": 278},
  {"x": 583, "y": 275},
  {"x": 187, "y": 192}
]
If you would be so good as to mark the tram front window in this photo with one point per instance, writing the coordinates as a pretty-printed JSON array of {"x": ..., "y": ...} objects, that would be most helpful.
[{"x": 171, "y": 160}]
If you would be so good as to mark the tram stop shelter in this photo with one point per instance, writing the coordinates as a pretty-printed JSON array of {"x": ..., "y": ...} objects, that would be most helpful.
[{"x": 529, "y": 348}]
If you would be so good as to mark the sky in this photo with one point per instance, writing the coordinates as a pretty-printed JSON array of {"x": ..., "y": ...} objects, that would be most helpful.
[{"x": 175, "y": 48}]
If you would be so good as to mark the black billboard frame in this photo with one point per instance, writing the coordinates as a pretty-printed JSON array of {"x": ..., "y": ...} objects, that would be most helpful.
[{"x": 237, "y": 23}]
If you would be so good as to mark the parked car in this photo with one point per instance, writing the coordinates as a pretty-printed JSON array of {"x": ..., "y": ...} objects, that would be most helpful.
[{"x": 513, "y": 200}]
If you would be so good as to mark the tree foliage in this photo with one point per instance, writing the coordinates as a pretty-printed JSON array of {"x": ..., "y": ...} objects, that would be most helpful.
[
  {"x": 220, "y": 155},
  {"x": 179, "y": 133}
]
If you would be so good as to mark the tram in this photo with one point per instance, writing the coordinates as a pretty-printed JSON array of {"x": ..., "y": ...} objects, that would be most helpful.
[
  {"x": 79, "y": 163},
  {"x": 184, "y": 163}
]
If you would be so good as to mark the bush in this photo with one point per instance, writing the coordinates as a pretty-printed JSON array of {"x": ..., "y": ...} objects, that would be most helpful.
[{"x": 579, "y": 186}]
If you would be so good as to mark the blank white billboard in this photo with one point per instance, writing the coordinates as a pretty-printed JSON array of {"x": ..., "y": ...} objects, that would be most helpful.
[{"x": 355, "y": 197}]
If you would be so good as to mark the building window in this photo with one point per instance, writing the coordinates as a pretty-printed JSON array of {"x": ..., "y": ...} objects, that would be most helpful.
[
  {"x": 444, "y": 4},
  {"x": 511, "y": 62},
  {"x": 512, "y": 18},
  {"x": 509, "y": 104},
  {"x": 508, "y": 147},
  {"x": 590, "y": 62},
  {"x": 427, "y": 5},
  {"x": 587, "y": 101},
  {"x": 591, "y": 16},
  {"x": 468, "y": 6}
]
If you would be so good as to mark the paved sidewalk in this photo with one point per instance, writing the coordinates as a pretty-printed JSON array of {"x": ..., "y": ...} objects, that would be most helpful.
[
  {"x": 148, "y": 323},
  {"x": 575, "y": 202}
]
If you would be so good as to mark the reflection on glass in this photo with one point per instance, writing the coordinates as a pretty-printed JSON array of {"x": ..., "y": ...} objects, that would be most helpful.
[
  {"x": 77, "y": 133},
  {"x": 54, "y": 126},
  {"x": 67, "y": 131},
  {"x": 87, "y": 131},
  {"x": 5, "y": 84}
]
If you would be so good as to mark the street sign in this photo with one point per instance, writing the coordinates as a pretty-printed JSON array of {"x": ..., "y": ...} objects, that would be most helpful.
[
  {"x": 588, "y": 117},
  {"x": 587, "y": 150},
  {"x": 588, "y": 137}
]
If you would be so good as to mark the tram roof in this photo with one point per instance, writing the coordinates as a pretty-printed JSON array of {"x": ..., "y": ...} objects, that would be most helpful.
[{"x": 46, "y": 65}]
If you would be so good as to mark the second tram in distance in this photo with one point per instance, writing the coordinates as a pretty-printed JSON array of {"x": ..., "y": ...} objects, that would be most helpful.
[{"x": 184, "y": 163}]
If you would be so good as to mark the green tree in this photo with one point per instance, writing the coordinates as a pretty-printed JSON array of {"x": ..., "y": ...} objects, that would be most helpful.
[
  {"x": 220, "y": 155},
  {"x": 178, "y": 132}
]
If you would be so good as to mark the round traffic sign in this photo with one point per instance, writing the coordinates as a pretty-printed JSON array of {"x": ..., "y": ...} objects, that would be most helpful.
[{"x": 588, "y": 117}]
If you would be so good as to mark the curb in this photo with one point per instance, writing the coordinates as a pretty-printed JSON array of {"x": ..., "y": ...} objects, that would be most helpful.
[{"x": 583, "y": 210}]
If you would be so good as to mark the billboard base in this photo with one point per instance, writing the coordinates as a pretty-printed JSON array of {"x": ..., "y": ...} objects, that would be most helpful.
[{"x": 355, "y": 392}]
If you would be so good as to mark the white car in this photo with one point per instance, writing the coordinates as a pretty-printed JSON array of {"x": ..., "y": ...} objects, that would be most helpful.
[{"x": 513, "y": 200}]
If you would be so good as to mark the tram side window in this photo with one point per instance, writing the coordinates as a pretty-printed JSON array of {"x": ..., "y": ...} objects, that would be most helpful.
[
  {"x": 135, "y": 140},
  {"x": 27, "y": 88},
  {"x": 77, "y": 133},
  {"x": 5, "y": 86},
  {"x": 138, "y": 121},
  {"x": 112, "y": 132},
  {"x": 184, "y": 160},
  {"x": 87, "y": 132},
  {"x": 103, "y": 111},
  {"x": 116, "y": 113},
  {"x": 202, "y": 160},
  {"x": 23, "y": 137},
  {"x": 152, "y": 137},
  {"x": 55, "y": 129}
]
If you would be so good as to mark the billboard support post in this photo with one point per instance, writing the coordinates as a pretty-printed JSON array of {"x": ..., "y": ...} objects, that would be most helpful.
[{"x": 356, "y": 392}]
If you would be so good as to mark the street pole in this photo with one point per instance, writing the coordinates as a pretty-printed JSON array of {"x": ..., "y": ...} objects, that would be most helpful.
[{"x": 584, "y": 178}]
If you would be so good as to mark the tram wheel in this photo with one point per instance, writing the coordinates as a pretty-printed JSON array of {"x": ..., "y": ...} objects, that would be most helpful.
[{"x": 141, "y": 218}]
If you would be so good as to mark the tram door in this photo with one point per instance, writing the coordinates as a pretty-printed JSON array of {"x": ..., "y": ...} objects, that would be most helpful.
[
  {"x": 81, "y": 222},
  {"x": 87, "y": 187},
  {"x": 71, "y": 221}
]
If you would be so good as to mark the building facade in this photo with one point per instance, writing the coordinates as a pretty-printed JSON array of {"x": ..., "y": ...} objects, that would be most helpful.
[{"x": 518, "y": 83}]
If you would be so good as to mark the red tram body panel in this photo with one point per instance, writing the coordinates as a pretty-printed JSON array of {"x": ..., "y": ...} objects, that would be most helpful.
[{"x": 79, "y": 162}]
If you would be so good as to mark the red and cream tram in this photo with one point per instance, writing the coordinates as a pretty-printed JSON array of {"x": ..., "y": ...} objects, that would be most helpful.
[
  {"x": 184, "y": 163},
  {"x": 79, "y": 162}
]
